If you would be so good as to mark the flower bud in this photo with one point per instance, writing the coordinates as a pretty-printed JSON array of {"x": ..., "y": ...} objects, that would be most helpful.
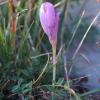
[{"x": 49, "y": 21}]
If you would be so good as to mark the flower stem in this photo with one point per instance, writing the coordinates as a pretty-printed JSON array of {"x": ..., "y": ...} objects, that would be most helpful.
[{"x": 54, "y": 64}]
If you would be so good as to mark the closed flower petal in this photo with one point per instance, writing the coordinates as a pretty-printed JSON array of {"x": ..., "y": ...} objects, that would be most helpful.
[{"x": 49, "y": 21}]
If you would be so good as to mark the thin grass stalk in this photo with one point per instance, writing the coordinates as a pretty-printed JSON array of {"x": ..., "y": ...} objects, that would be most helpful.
[
  {"x": 41, "y": 75},
  {"x": 81, "y": 42},
  {"x": 63, "y": 20},
  {"x": 90, "y": 92},
  {"x": 75, "y": 30},
  {"x": 59, "y": 4},
  {"x": 62, "y": 41}
]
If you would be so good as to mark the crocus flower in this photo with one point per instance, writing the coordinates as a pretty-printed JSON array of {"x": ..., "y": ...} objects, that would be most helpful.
[{"x": 49, "y": 21}]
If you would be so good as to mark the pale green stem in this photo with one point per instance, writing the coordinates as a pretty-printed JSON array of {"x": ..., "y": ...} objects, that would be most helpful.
[{"x": 54, "y": 64}]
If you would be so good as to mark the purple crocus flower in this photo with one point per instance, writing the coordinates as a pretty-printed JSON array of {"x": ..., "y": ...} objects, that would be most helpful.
[{"x": 49, "y": 21}]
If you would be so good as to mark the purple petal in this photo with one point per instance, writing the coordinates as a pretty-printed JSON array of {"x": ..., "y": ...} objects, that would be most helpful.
[{"x": 49, "y": 21}]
